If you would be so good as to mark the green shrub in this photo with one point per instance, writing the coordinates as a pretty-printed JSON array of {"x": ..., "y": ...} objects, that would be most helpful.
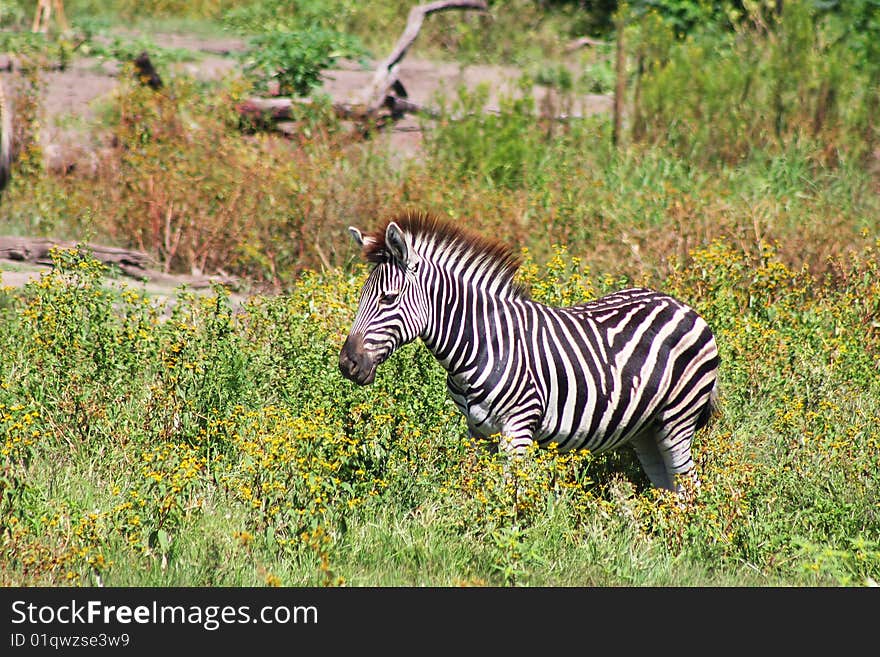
[
  {"x": 293, "y": 62},
  {"x": 141, "y": 434},
  {"x": 508, "y": 148},
  {"x": 292, "y": 43}
]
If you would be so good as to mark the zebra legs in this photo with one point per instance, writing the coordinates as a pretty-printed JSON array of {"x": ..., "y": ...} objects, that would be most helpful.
[
  {"x": 648, "y": 452},
  {"x": 664, "y": 456}
]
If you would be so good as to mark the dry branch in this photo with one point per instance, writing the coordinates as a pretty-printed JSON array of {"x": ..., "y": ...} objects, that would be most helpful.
[
  {"x": 384, "y": 96},
  {"x": 577, "y": 44},
  {"x": 135, "y": 264},
  {"x": 385, "y": 77}
]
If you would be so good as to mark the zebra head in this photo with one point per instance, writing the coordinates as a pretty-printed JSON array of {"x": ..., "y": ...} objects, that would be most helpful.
[{"x": 392, "y": 309}]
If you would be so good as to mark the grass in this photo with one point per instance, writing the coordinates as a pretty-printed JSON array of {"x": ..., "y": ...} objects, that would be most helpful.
[
  {"x": 218, "y": 448},
  {"x": 209, "y": 443}
]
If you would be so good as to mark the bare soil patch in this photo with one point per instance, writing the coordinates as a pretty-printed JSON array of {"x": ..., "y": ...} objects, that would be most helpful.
[{"x": 70, "y": 95}]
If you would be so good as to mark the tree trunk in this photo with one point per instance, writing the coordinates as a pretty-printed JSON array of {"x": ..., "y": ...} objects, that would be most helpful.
[{"x": 5, "y": 137}]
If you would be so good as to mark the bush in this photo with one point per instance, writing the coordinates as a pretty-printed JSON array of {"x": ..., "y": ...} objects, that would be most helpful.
[
  {"x": 139, "y": 438},
  {"x": 291, "y": 63}
]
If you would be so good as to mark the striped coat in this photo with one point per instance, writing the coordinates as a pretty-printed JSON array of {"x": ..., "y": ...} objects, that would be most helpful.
[{"x": 635, "y": 367}]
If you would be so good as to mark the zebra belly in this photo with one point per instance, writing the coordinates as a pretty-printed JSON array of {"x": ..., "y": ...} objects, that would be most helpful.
[
  {"x": 482, "y": 421},
  {"x": 487, "y": 418},
  {"x": 597, "y": 441},
  {"x": 590, "y": 425}
]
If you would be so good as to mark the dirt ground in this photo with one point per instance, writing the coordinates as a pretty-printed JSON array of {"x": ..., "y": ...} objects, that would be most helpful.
[{"x": 72, "y": 96}]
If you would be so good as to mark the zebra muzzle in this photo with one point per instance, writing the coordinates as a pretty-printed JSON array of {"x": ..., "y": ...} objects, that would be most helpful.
[{"x": 355, "y": 363}]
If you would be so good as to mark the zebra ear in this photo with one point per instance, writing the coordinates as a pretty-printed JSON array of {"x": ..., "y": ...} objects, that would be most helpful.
[
  {"x": 359, "y": 238},
  {"x": 398, "y": 244}
]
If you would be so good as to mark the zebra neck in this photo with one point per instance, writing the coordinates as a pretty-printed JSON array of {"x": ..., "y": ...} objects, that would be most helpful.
[{"x": 465, "y": 321}]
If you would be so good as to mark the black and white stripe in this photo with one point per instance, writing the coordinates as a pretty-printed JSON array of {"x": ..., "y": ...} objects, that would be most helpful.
[{"x": 635, "y": 367}]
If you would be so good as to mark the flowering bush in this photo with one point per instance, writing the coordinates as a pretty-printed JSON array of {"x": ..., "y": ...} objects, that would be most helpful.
[{"x": 204, "y": 442}]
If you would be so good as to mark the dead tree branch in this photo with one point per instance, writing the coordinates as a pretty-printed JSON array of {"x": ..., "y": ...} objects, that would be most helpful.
[
  {"x": 385, "y": 77},
  {"x": 582, "y": 42},
  {"x": 384, "y": 96}
]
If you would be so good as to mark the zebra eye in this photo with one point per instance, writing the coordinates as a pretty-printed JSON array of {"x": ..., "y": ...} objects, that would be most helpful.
[{"x": 388, "y": 298}]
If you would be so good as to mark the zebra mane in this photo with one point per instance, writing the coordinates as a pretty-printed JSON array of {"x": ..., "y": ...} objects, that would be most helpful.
[{"x": 430, "y": 234}]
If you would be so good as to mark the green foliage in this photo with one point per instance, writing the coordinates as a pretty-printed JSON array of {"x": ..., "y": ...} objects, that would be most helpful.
[
  {"x": 127, "y": 49},
  {"x": 506, "y": 148},
  {"x": 598, "y": 76},
  {"x": 13, "y": 13},
  {"x": 284, "y": 16},
  {"x": 130, "y": 425},
  {"x": 497, "y": 148},
  {"x": 856, "y": 23},
  {"x": 594, "y": 17},
  {"x": 292, "y": 43},
  {"x": 293, "y": 62},
  {"x": 683, "y": 16},
  {"x": 555, "y": 76},
  {"x": 719, "y": 94},
  {"x": 134, "y": 9},
  {"x": 25, "y": 44}
]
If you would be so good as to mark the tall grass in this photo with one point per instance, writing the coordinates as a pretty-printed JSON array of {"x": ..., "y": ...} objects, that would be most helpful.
[
  {"x": 266, "y": 209},
  {"x": 138, "y": 443},
  {"x": 719, "y": 95}
]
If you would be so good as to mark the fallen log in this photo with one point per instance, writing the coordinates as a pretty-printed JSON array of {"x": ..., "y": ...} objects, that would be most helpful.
[
  {"x": 384, "y": 97},
  {"x": 135, "y": 264},
  {"x": 266, "y": 110},
  {"x": 37, "y": 250}
]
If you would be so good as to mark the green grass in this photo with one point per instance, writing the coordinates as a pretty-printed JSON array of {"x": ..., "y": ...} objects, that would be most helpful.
[{"x": 222, "y": 448}]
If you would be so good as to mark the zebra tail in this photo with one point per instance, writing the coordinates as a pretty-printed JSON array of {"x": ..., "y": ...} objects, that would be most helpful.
[
  {"x": 5, "y": 137},
  {"x": 711, "y": 409}
]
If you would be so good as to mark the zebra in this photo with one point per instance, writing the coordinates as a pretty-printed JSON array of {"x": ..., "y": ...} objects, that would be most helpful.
[{"x": 634, "y": 367}]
